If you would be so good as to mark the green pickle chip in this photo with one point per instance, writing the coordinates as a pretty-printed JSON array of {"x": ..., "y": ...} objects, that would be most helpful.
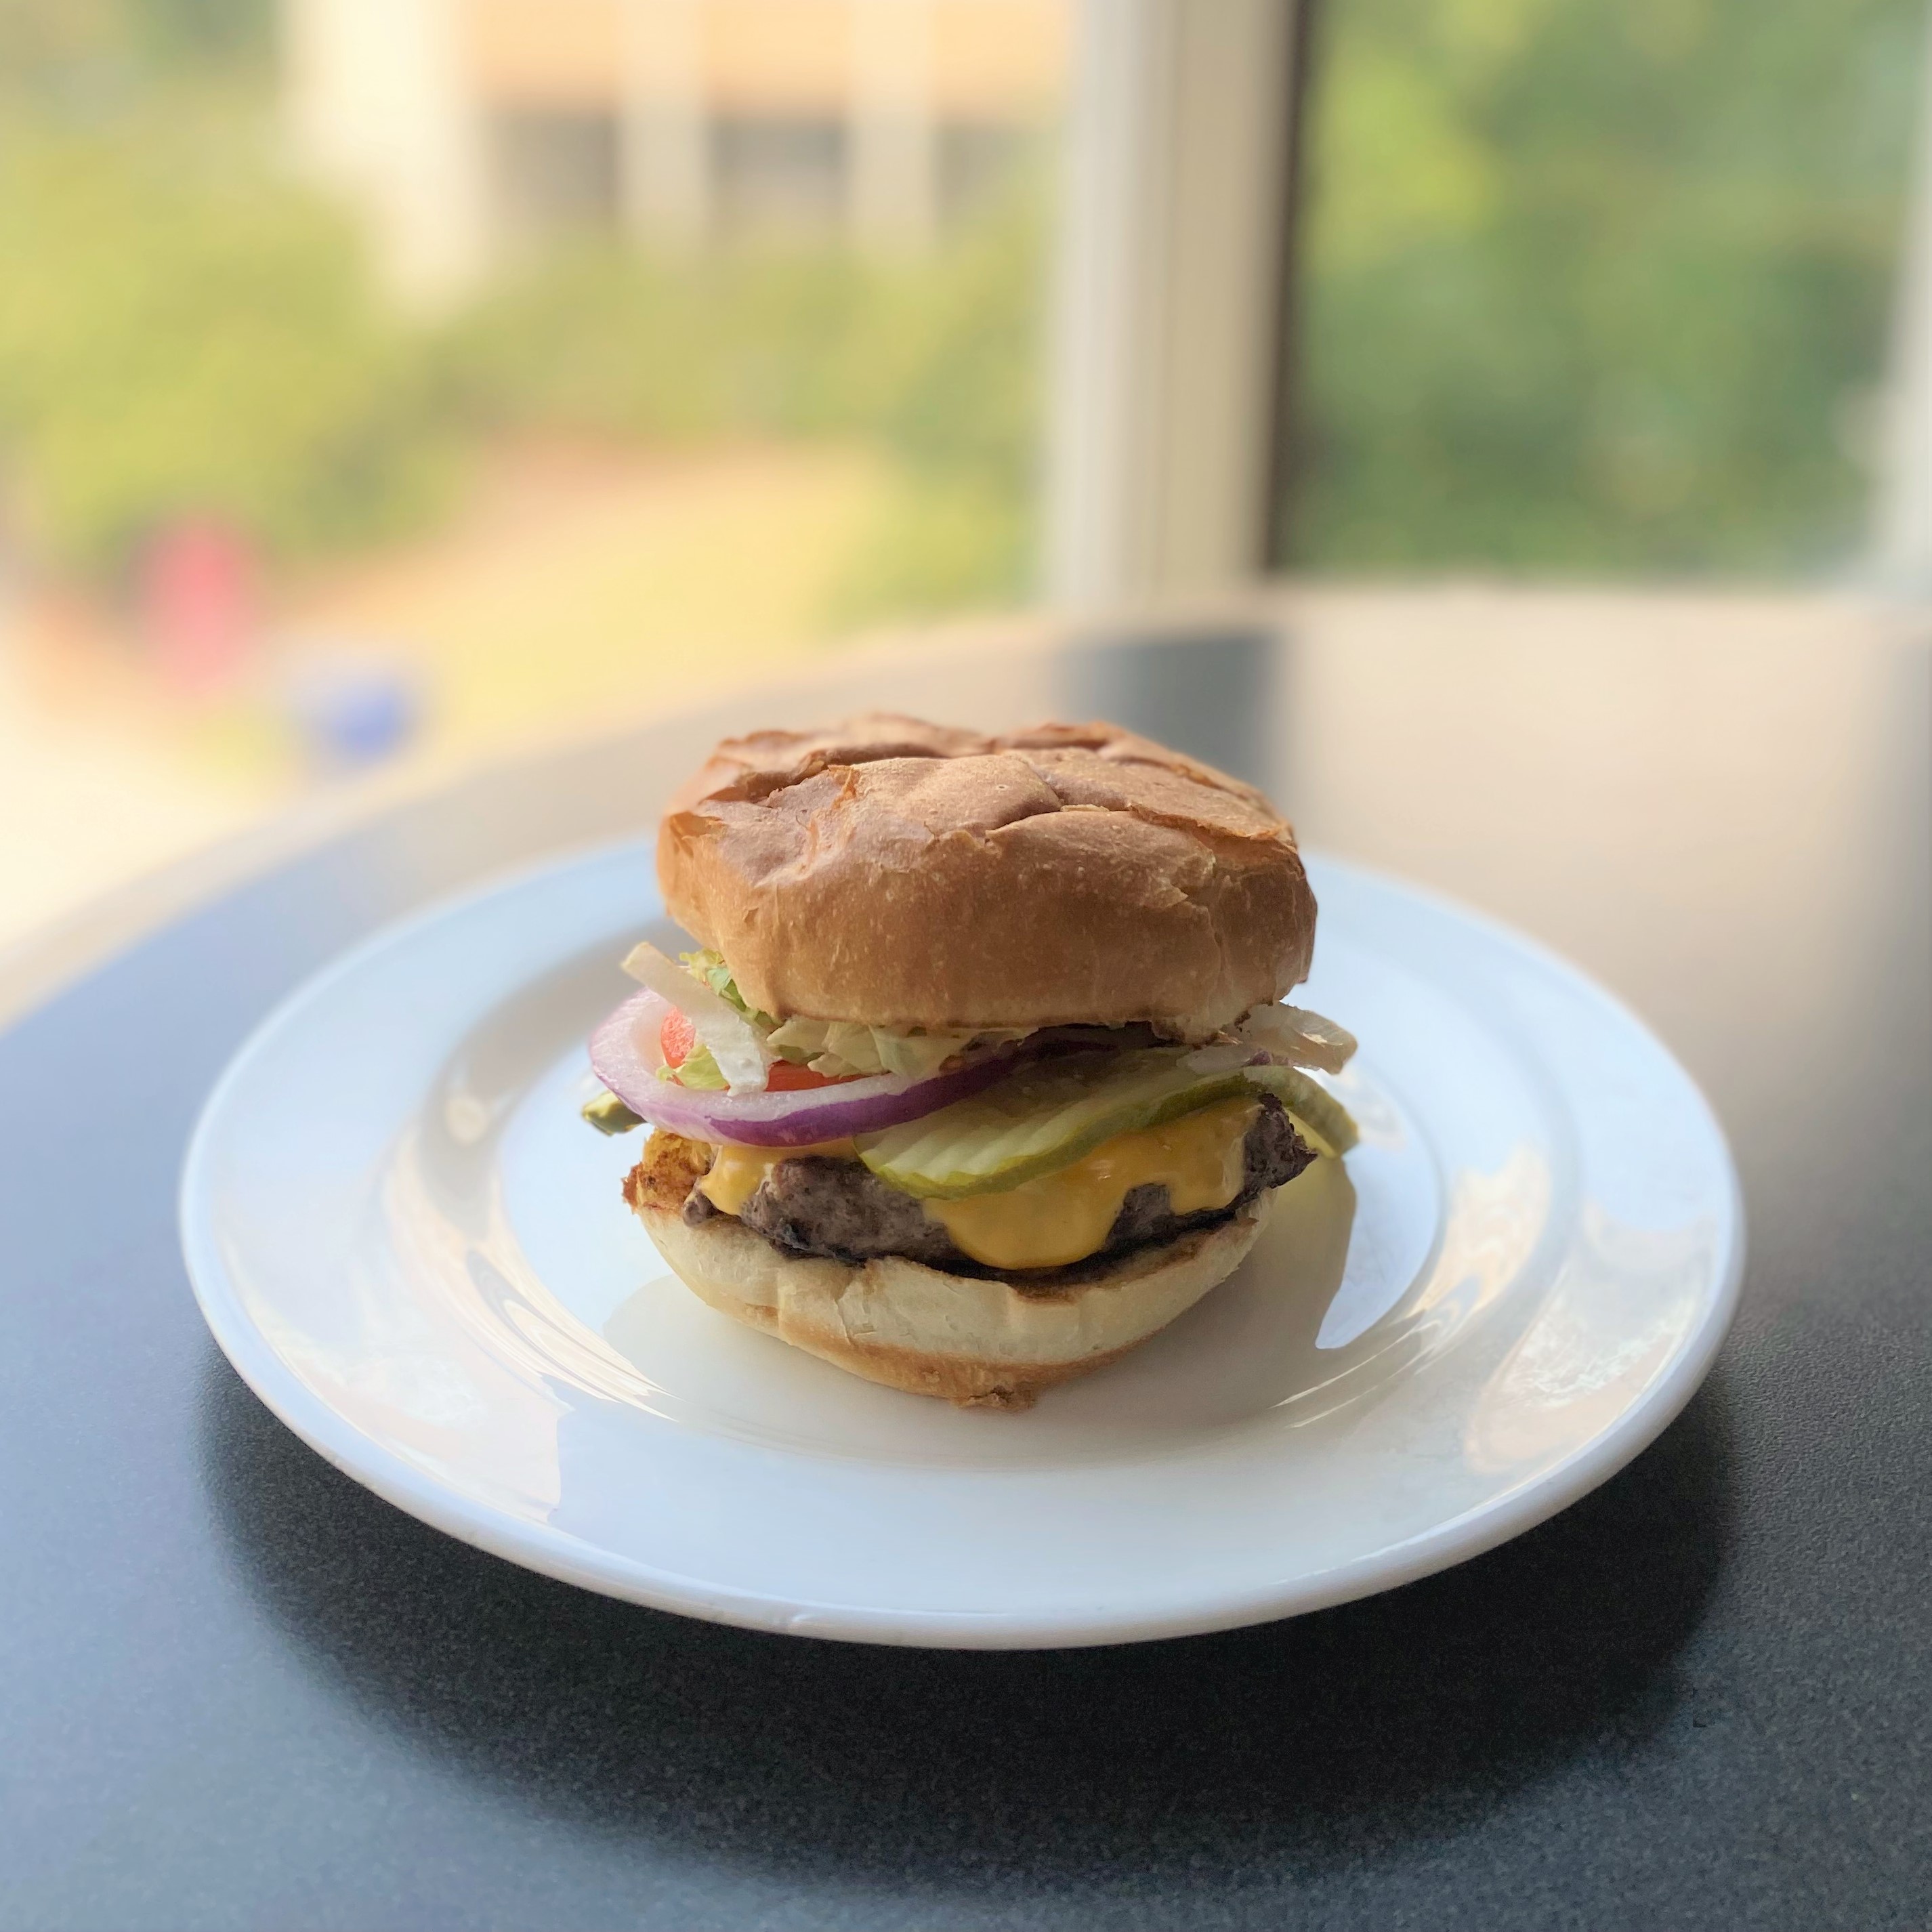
[
  {"x": 1052, "y": 1113},
  {"x": 609, "y": 1115}
]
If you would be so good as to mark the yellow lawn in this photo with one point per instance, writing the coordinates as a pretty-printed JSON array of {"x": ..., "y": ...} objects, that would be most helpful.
[{"x": 579, "y": 586}]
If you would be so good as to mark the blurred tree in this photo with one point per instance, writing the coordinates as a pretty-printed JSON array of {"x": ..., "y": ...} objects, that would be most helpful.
[
  {"x": 201, "y": 31},
  {"x": 45, "y": 43},
  {"x": 1598, "y": 285},
  {"x": 1591, "y": 285},
  {"x": 936, "y": 360},
  {"x": 185, "y": 333},
  {"x": 197, "y": 338},
  {"x": 958, "y": 395},
  {"x": 600, "y": 339},
  {"x": 193, "y": 337},
  {"x": 55, "y": 53}
]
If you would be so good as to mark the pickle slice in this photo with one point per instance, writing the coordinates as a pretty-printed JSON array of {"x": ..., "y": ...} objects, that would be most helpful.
[
  {"x": 609, "y": 1115},
  {"x": 1045, "y": 1117},
  {"x": 1049, "y": 1114}
]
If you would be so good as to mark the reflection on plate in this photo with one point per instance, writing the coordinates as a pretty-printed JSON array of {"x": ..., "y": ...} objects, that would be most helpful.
[{"x": 408, "y": 1243}]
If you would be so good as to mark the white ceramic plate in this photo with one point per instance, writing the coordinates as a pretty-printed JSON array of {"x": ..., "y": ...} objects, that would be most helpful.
[{"x": 416, "y": 1254}]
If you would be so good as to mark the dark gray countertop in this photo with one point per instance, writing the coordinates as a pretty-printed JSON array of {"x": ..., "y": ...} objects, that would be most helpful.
[{"x": 240, "y": 1691}]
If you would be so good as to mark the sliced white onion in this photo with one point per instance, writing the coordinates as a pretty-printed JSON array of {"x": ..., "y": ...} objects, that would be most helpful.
[
  {"x": 1298, "y": 1038},
  {"x": 646, "y": 1013},
  {"x": 737, "y": 1045},
  {"x": 840, "y": 1048}
]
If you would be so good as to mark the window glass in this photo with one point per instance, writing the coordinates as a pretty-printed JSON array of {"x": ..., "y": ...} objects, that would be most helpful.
[
  {"x": 556, "y": 173},
  {"x": 383, "y": 378},
  {"x": 778, "y": 174},
  {"x": 1598, "y": 286}
]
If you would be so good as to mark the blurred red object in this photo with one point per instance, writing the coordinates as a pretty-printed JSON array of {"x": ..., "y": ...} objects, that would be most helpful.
[{"x": 200, "y": 608}]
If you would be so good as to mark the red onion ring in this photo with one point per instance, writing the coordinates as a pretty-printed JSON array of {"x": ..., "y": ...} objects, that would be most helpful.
[{"x": 625, "y": 1054}]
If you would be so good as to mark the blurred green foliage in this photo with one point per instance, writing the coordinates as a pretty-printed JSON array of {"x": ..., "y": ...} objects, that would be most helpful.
[
  {"x": 182, "y": 330},
  {"x": 63, "y": 47},
  {"x": 1597, "y": 286},
  {"x": 187, "y": 334},
  {"x": 191, "y": 333},
  {"x": 1590, "y": 286},
  {"x": 935, "y": 360},
  {"x": 956, "y": 394}
]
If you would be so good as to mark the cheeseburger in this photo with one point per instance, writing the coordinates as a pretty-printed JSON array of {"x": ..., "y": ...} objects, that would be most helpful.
[{"x": 979, "y": 1075}]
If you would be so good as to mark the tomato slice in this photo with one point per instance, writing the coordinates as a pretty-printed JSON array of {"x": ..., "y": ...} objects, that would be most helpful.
[
  {"x": 786, "y": 1077},
  {"x": 675, "y": 1037}
]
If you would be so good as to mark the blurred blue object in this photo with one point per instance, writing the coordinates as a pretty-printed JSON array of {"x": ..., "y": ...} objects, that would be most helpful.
[{"x": 351, "y": 708}]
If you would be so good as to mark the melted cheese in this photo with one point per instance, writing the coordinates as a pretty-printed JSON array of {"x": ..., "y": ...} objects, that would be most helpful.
[
  {"x": 1060, "y": 1218},
  {"x": 738, "y": 1172},
  {"x": 1064, "y": 1217}
]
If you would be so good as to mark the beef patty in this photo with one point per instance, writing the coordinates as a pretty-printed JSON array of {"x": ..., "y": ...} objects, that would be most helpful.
[{"x": 818, "y": 1205}]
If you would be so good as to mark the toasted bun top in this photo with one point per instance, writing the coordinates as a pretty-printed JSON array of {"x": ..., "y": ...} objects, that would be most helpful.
[{"x": 907, "y": 874}]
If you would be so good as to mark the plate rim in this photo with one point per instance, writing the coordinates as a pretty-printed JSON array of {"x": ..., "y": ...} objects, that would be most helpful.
[{"x": 567, "y": 1558}]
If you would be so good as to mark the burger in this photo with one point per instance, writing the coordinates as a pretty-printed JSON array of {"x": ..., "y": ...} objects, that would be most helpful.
[{"x": 979, "y": 1074}]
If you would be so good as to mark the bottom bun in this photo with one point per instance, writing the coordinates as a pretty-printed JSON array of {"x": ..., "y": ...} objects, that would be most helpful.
[{"x": 978, "y": 1343}]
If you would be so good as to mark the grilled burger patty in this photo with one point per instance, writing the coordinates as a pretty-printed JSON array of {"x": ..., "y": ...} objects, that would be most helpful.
[{"x": 817, "y": 1205}]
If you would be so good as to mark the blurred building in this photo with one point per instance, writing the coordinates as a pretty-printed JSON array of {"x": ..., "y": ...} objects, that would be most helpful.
[{"x": 470, "y": 130}]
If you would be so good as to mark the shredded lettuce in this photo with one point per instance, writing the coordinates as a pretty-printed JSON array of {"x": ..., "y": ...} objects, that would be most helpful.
[
  {"x": 839, "y": 1049},
  {"x": 736, "y": 1044},
  {"x": 710, "y": 966},
  {"x": 698, "y": 1070}
]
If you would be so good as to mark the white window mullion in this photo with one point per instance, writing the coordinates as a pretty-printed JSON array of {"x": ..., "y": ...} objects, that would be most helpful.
[{"x": 1168, "y": 335}]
